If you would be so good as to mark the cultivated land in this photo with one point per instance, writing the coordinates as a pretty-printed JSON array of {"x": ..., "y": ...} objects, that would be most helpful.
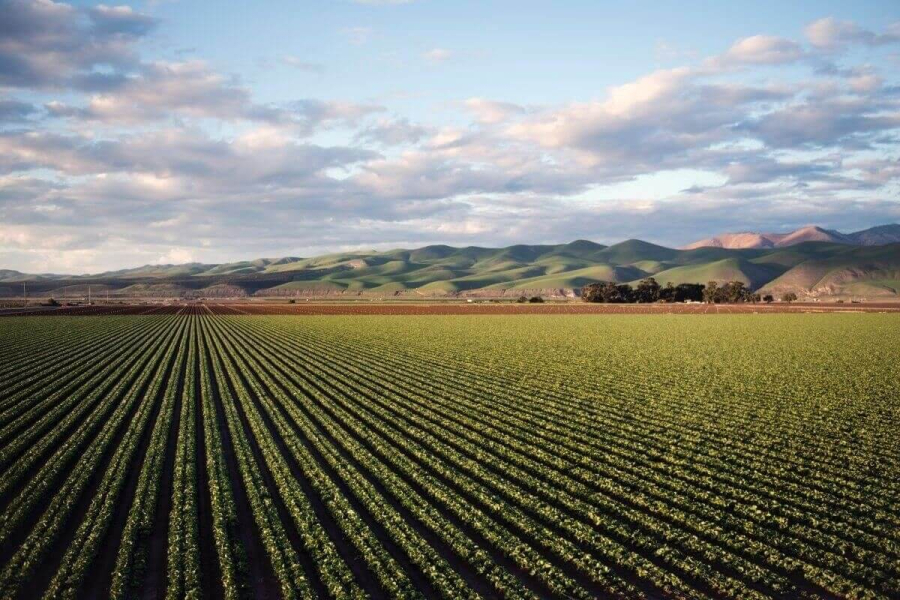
[{"x": 205, "y": 455}]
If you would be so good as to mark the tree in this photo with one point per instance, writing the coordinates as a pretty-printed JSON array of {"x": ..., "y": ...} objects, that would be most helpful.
[
  {"x": 730, "y": 292},
  {"x": 522, "y": 299},
  {"x": 618, "y": 293},
  {"x": 768, "y": 298},
  {"x": 647, "y": 290},
  {"x": 688, "y": 292},
  {"x": 536, "y": 300},
  {"x": 667, "y": 294},
  {"x": 733, "y": 292},
  {"x": 591, "y": 292},
  {"x": 788, "y": 297},
  {"x": 711, "y": 293},
  {"x": 607, "y": 291}
]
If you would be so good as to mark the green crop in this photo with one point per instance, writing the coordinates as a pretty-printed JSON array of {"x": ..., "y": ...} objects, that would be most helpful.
[{"x": 522, "y": 456}]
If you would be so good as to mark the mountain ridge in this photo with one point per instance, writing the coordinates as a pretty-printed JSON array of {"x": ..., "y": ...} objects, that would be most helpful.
[
  {"x": 809, "y": 268},
  {"x": 873, "y": 236}
]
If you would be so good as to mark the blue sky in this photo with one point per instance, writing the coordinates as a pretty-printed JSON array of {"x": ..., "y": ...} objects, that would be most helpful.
[
  {"x": 526, "y": 52},
  {"x": 174, "y": 131}
]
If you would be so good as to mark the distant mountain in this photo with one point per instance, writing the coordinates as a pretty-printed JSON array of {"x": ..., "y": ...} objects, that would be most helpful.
[
  {"x": 817, "y": 268},
  {"x": 10, "y": 275},
  {"x": 875, "y": 236}
]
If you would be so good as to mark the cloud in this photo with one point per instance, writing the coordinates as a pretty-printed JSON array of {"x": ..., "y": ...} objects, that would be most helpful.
[
  {"x": 175, "y": 256},
  {"x": 835, "y": 121},
  {"x": 302, "y": 65},
  {"x": 163, "y": 91},
  {"x": 664, "y": 120},
  {"x": 394, "y": 132},
  {"x": 491, "y": 111},
  {"x": 120, "y": 20},
  {"x": 186, "y": 157},
  {"x": 762, "y": 50},
  {"x": 16, "y": 189},
  {"x": 309, "y": 114},
  {"x": 752, "y": 170},
  {"x": 44, "y": 44},
  {"x": 437, "y": 55},
  {"x": 830, "y": 34},
  {"x": 320, "y": 110},
  {"x": 15, "y": 111}
]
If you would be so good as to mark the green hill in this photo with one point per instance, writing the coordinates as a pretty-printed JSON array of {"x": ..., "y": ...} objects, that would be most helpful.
[
  {"x": 632, "y": 251},
  {"x": 721, "y": 271},
  {"x": 808, "y": 269}
]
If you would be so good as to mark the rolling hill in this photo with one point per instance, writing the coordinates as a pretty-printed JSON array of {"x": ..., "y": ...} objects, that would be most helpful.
[{"x": 808, "y": 268}]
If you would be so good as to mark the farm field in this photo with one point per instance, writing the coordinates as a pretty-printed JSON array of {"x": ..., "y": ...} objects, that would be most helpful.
[{"x": 206, "y": 454}]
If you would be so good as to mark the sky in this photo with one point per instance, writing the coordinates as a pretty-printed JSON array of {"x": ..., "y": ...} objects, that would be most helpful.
[{"x": 173, "y": 131}]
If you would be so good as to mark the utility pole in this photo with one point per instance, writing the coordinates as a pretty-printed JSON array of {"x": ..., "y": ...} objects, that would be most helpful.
[
  {"x": 24, "y": 295},
  {"x": 89, "y": 295}
]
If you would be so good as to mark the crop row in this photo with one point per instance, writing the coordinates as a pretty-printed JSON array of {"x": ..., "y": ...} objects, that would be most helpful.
[{"x": 207, "y": 455}]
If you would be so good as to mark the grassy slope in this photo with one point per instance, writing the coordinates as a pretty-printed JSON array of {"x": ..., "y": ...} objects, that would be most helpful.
[
  {"x": 855, "y": 270},
  {"x": 831, "y": 268},
  {"x": 728, "y": 269}
]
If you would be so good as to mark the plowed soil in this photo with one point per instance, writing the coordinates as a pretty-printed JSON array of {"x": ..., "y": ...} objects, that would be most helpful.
[{"x": 448, "y": 308}]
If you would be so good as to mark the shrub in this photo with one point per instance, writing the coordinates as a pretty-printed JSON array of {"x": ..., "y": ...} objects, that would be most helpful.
[{"x": 536, "y": 300}]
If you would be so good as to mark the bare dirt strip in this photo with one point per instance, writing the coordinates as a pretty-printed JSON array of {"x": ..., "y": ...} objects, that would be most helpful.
[{"x": 450, "y": 308}]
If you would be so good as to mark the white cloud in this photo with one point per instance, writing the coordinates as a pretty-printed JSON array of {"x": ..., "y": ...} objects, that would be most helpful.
[
  {"x": 167, "y": 90},
  {"x": 631, "y": 97},
  {"x": 162, "y": 89},
  {"x": 490, "y": 111},
  {"x": 438, "y": 55},
  {"x": 762, "y": 50},
  {"x": 176, "y": 256}
]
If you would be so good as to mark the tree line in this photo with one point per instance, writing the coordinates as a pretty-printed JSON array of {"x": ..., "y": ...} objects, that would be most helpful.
[{"x": 649, "y": 290}]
